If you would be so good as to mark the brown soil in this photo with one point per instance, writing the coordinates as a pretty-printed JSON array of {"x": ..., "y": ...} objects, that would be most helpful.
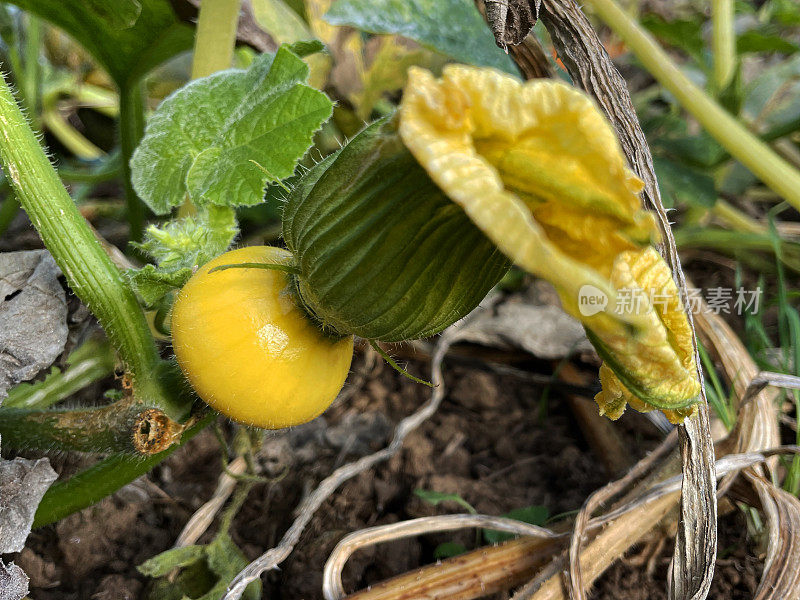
[{"x": 486, "y": 444}]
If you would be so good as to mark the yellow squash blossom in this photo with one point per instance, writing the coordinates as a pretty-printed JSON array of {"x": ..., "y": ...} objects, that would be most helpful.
[{"x": 539, "y": 170}]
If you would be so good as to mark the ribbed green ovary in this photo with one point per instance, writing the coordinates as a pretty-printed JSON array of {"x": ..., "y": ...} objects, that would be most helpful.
[{"x": 382, "y": 252}]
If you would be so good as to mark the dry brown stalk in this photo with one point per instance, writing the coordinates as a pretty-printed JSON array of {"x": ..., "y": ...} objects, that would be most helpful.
[
  {"x": 781, "y": 577},
  {"x": 432, "y": 582},
  {"x": 527, "y": 53},
  {"x": 757, "y": 424},
  {"x": 478, "y": 569},
  {"x": 757, "y": 429},
  {"x": 471, "y": 575}
]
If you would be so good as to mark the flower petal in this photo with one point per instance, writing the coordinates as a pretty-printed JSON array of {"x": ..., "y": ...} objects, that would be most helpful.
[
  {"x": 538, "y": 168},
  {"x": 460, "y": 126},
  {"x": 658, "y": 365}
]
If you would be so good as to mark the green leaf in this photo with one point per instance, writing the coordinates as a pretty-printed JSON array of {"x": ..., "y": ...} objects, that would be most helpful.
[
  {"x": 452, "y": 27},
  {"x": 122, "y": 14},
  {"x": 535, "y": 515},
  {"x": 225, "y": 560},
  {"x": 152, "y": 284},
  {"x": 192, "y": 241},
  {"x": 210, "y": 568},
  {"x": 222, "y": 138},
  {"x": 684, "y": 185},
  {"x": 127, "y": 37},
  {"x": 303, "y": 48},
  {"x": 436, "y": 498},
  {"x": 685, "y": 34},
  {"x": 670, "y": 135},
  {"x": 785, "y": 12},
  {"x": 280, "y": 21},
  {"x": 771, "y": 98},
  {"x": 163, "y": 563},
  {"x": 764, "y": 39},
  {"x": 448, "y": 550}
]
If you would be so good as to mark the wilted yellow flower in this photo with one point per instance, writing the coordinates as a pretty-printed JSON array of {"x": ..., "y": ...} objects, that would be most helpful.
[
  {"x": 654, "y": 369},
  {"x": 539, "y": 170}
]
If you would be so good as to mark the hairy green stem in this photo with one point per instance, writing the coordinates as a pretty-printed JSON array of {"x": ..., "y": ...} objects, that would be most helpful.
[
  {"x": 88, "y": 269},
  {"x": 92, "y": 361},
  {"x": 391, "y": 362},
  {"x": 723, "y": 43},
  {"x": 743, "y": 145},
  {"x": 119, "y": 427},
  {"x": 216, "y": 36},
  {"x": 131, "y": 129},
  {"x": 104, "y": 478}
]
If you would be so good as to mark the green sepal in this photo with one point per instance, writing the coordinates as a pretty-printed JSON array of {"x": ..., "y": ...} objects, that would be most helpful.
[
  {"x": 191, "y": 241},
  {"x": 152, "y": 284},
  {"x": 383, "y": 253},
  {"x": 212, "y": 567},
  {"x": 174, "y": 558},
  {"x": 179, "y": 247}
]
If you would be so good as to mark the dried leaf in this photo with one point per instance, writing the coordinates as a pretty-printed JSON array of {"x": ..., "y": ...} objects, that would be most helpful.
[
  {"x": 511, "y": 20},
  {"x": 781, "y": 577},
  {"x": 33, "y": 316},
  {"x": 544, "y": 331},
  {"x": 756, "y": 426},
  {"x": 22, "y": 484},
  {"x": 757, "y": 429},
  {"x": 13, "y": 582}
]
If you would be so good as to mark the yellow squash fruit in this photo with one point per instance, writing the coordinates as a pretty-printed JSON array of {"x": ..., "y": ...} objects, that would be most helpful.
[
  {"x": 248, "y": 350},
  {"x": 538, "y": 168}
]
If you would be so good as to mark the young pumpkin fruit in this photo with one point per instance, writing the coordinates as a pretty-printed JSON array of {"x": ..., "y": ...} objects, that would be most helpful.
[{"x": 249, "y": 350}]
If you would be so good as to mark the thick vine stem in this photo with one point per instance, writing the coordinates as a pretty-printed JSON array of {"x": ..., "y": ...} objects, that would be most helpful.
[
  {"x": 724, "y": 42},
  {"x": 119, "y": 427},
  {"x": 131, "y": 129},
  {"x": 88, "y": 269},
  {"x": 215, "y": 37},
  {"x": 106, "y": 477}
]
